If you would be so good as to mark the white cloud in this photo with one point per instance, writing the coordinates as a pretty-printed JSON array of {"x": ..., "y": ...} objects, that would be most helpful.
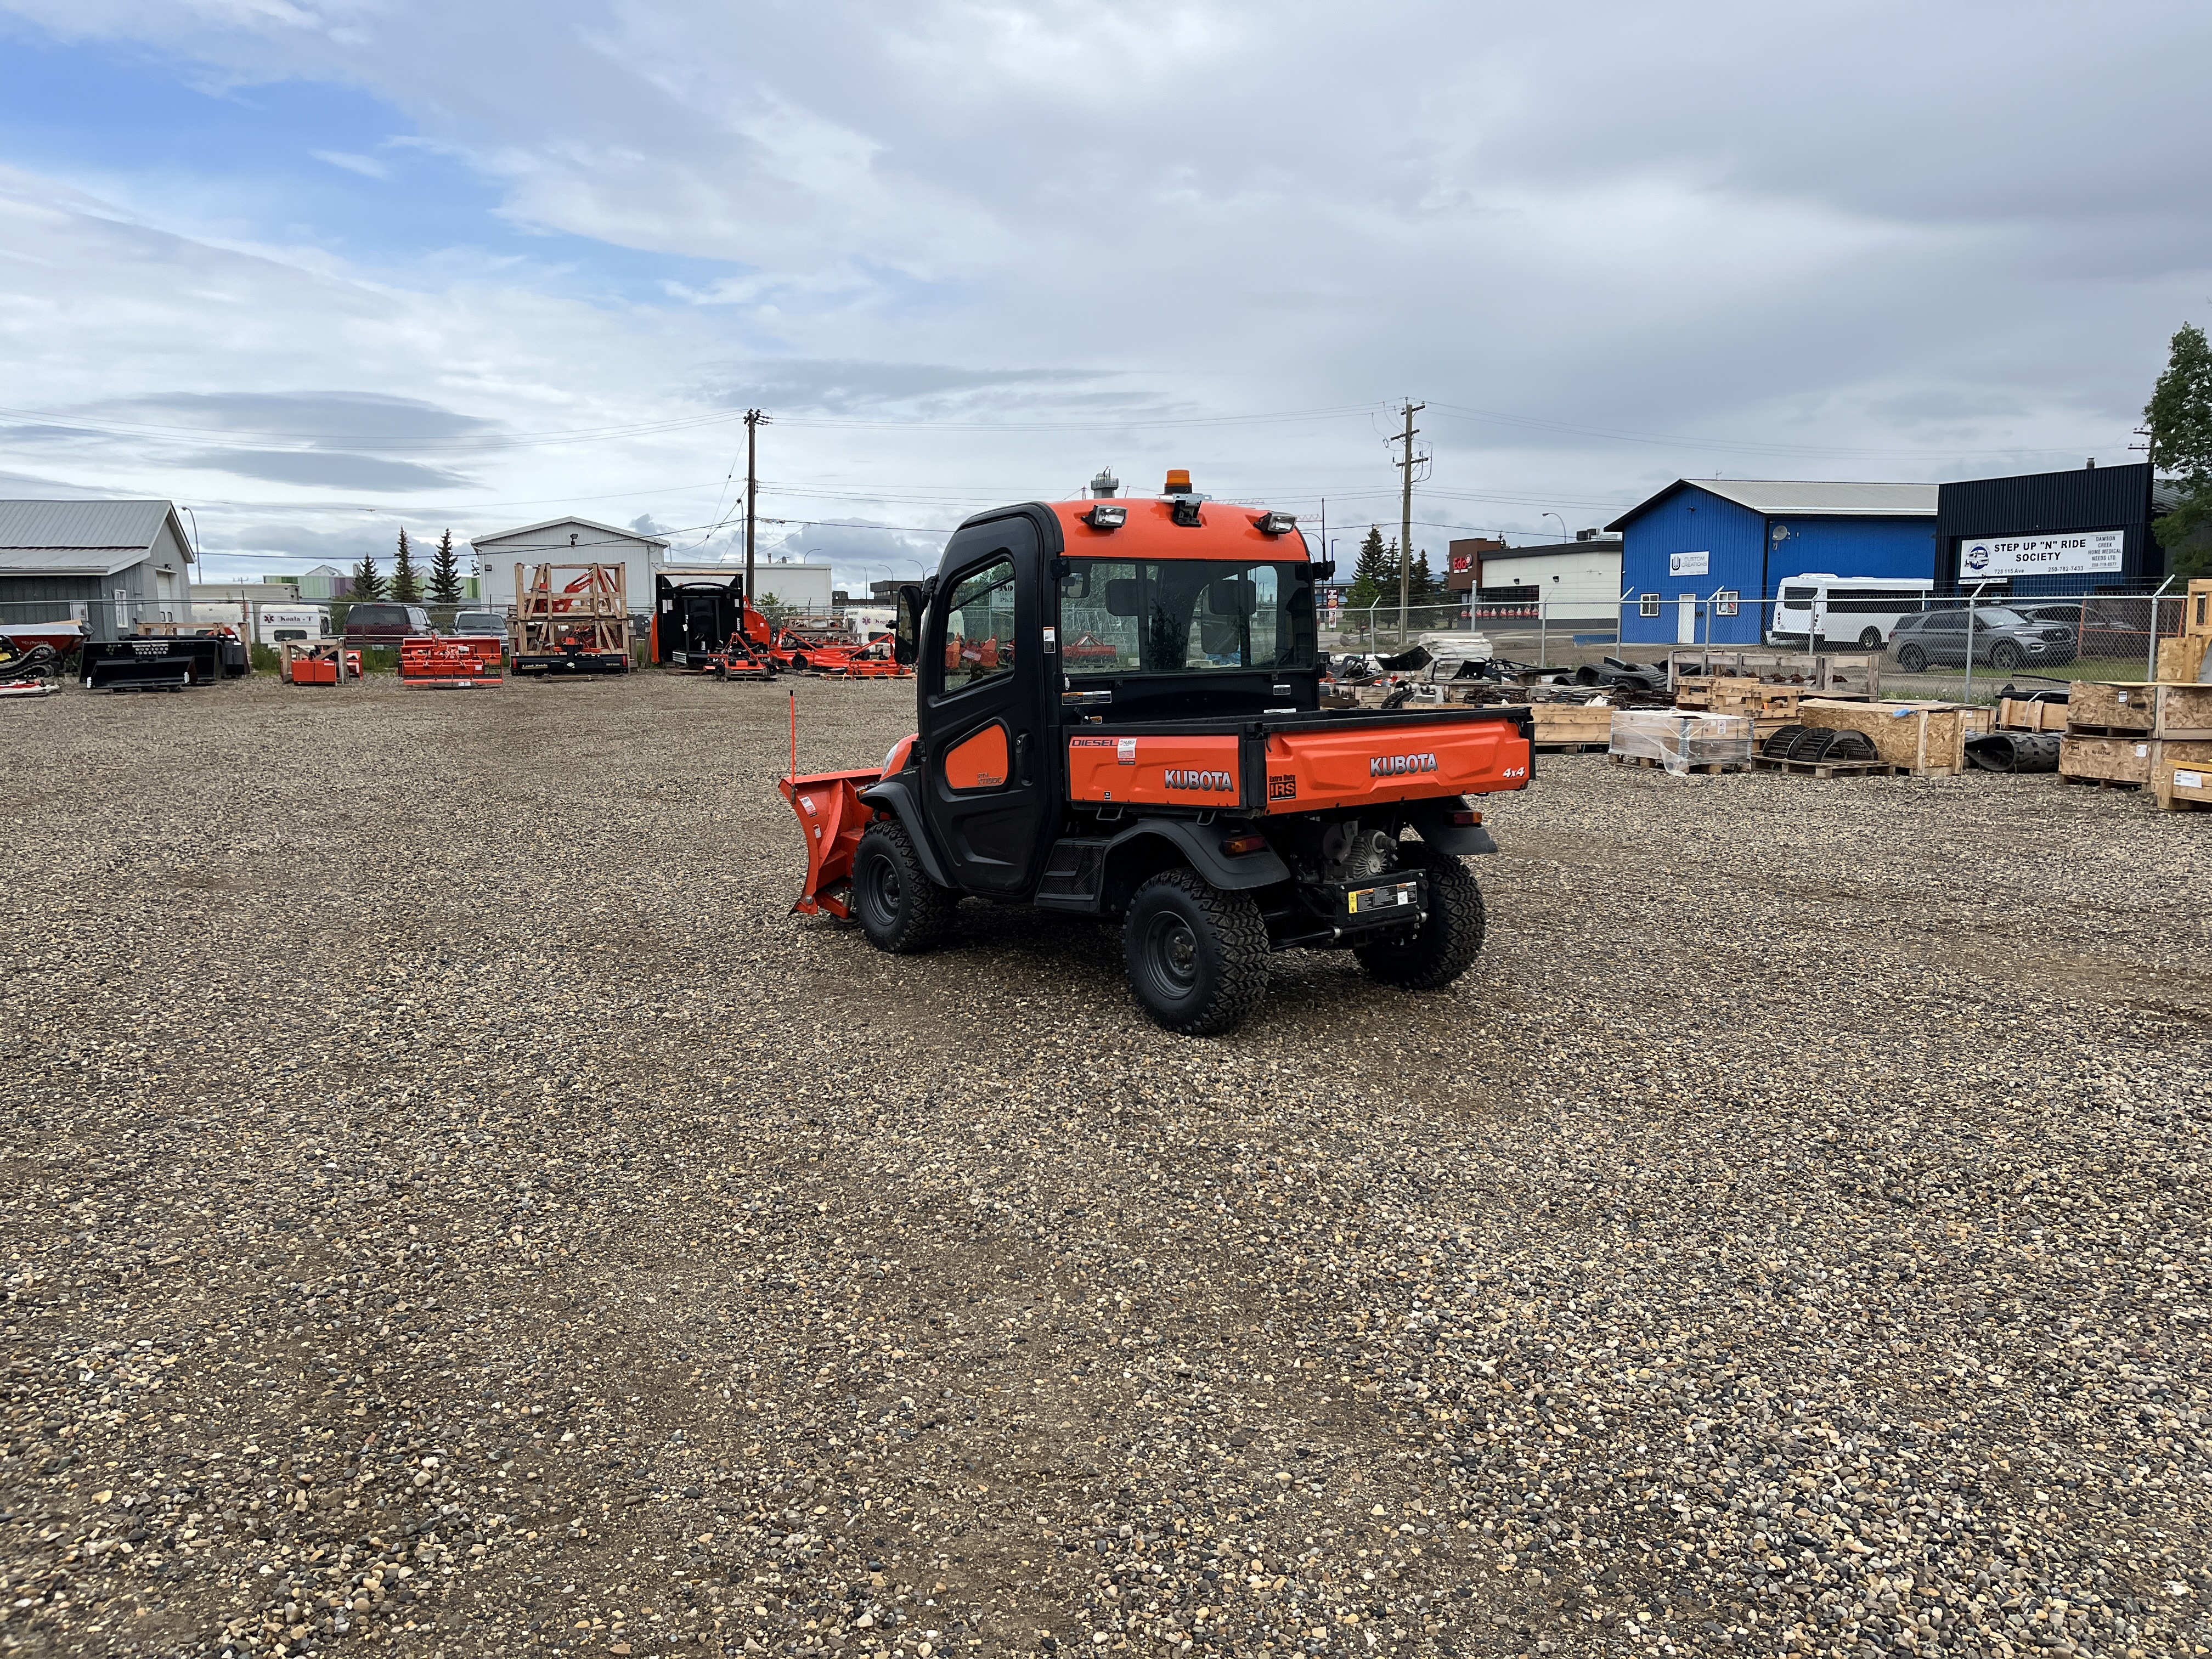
[{"x": 1850, "y": 242}]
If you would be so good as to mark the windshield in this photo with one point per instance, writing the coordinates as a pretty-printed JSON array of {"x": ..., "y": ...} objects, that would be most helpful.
[{"x": 1184, "y": 617}]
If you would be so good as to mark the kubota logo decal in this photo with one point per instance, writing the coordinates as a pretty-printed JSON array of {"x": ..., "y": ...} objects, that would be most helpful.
[
  {"x": 1391, "y": 766},
  {"x": 1220, "y": 781}
]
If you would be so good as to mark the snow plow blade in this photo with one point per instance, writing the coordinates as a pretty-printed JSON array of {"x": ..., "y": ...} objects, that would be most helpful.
[{"x": 833, "y": 815}]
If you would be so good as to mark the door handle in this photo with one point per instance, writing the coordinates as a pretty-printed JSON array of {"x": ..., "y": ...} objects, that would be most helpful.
[{"x": 1022, "y": 758}]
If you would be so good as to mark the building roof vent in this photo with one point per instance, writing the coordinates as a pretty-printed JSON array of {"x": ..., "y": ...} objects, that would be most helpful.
[{"x": 1105, "y": 486}]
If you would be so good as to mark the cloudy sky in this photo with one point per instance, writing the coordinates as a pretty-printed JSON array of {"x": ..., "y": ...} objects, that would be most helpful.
[{"x": 322, "y": 268}]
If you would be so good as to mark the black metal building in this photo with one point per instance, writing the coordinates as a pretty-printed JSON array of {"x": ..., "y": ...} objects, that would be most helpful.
[{"x": 2049, "y": 533}]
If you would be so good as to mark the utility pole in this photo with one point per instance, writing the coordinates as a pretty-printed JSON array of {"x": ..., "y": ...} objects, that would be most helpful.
[
  {"x": 753, "y": 418},
  {"x": 1406, "y": 521}
]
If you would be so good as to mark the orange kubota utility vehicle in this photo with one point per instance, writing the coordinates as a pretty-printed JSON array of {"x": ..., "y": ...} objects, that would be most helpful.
[{"x": 1179, "y": 773}]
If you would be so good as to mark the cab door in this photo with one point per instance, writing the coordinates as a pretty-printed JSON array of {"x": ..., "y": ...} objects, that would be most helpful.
[{"x": 991, "y": 795}]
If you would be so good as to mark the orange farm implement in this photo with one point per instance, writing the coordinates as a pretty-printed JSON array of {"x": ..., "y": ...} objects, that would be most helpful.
[
  {"x": 571, "y": 619},
  {"x": 301, "y": 664},
  {"x": 454, "y": 662}
]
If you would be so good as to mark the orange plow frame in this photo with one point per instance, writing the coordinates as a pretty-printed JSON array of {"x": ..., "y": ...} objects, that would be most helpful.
[{"x": 831, "y": 811}]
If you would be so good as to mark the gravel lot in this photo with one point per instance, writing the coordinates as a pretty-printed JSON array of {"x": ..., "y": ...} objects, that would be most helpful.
[{"x": 450, "y": 1208}]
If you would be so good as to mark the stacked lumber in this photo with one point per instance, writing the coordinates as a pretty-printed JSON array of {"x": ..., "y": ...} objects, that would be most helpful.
[
  {"x": 2138, "y": 734},
  {"x": 1568, "y": 728},
  {"x": 1769, "y": 706},
  {"x": 1927, "y": 739}
]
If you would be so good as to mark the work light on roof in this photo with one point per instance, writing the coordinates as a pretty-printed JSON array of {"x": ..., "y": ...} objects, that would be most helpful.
[
  {"x": 1103, "y": 517},
  {"x": 1178, "y": 482},
  {"x": 1276, "y": 524}
]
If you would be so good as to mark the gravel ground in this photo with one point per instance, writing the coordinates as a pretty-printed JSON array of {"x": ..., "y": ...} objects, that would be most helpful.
[{"x": 450, "y": 1208}]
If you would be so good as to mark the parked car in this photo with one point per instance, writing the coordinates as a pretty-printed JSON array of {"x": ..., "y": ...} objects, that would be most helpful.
[
  {"x": 2002, "y": 638},
  {"x": 2106, "y": 628},
  {"x": 385, "y": 625},
  {"x": 479, "y": 622}
]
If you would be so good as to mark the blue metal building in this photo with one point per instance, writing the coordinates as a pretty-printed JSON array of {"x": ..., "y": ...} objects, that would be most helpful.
[{"x": 1699, "y": 559}]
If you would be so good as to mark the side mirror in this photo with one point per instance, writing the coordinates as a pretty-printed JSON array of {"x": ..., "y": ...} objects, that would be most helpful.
[
  {"x": 1322, "y": 570},
  {"x": 1122, "y": 597},
  {"x": 906, "y": 634}
]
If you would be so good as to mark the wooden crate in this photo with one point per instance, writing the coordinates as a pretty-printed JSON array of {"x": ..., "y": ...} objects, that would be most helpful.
[
  {"x": 2106, "y": 760},
  {"x": 1927, "y": 738},
  {"x": 2020, "y": 714},
  {"x": 2181, "y": 776},
  {"x": 2182, "y": 657},
  {"x": 2183, "y": 712},
  {"x": 2111, "y": 707}
]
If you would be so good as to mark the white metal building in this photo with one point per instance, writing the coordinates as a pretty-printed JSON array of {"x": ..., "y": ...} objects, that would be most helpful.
[
  {"x": 570, "y": 540},
  {"x": 1578, "y": 580}
]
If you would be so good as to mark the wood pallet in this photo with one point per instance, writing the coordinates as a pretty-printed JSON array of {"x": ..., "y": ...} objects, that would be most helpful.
[
  {"x": 2101, "y": 783},
  {"x": 1694, "y": 765},
  {"x": 1571, "y": 748},
  {"x": 1829, "y": 768}
]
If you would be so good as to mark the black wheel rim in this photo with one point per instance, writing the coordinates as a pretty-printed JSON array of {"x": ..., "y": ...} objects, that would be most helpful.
[
  {"x": 882, "y": 888},
  {"x": 1171, "y": 949}
]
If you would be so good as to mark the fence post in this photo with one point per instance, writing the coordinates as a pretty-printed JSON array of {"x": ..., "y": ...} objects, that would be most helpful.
[
  {"x": 1972, "y": 605},
  {"x": 1543, "y": 633},
  {"x": 2150, "y": 653}
]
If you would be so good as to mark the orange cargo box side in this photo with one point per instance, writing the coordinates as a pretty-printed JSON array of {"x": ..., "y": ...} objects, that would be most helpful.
[
  {"x": 1192, "y": 771},
  {"x": 1309, "y": 771}
]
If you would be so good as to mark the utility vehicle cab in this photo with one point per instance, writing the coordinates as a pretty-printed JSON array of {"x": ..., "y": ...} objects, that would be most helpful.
[{"x": 1119, "y": 716}]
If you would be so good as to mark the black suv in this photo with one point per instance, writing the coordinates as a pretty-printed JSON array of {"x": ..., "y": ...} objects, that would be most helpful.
[{"x": 2003, "y": 638}]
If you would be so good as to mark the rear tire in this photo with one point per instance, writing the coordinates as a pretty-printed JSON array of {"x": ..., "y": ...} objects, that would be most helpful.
[
  {"x": 900, "y": 908},
  {"x": 1446, "y": 944},
  {"x": 1913, "y": 660},
  {"x": 1870, "y": 640},
  {"x": 1197, "y": 956}
]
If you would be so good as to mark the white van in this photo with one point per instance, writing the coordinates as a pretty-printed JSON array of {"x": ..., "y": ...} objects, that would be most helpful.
[
  {"x": 1843, "y": 611},
  {"x": 278, "y": 622}
]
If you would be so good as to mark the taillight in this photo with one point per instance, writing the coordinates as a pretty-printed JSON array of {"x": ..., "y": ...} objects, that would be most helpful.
[{"x": 1238, "y": 846}]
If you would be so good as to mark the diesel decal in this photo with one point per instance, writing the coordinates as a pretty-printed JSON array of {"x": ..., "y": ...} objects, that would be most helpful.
[
  {"x": 1220, "y": 783},
  {"x": 1392, "y": 766}
]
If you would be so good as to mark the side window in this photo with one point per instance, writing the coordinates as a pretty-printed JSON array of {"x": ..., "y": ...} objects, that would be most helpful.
[
  {"x": 1647, "y": 604},
  {"x": 979, "y": 626}
]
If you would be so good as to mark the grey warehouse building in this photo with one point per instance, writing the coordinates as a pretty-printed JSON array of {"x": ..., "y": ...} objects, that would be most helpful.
[{"x": 110, "y": 565}]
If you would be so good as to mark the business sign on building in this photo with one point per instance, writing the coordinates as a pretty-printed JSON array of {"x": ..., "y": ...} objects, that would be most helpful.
[
  {"x": 2086, "y": 553},
  {"x": 1689, "y": 564}
]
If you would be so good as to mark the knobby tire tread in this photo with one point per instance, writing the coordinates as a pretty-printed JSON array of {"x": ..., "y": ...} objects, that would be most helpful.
[
  {"x": 1236, "y": 924},
  {"x": 926, "y": 910}
]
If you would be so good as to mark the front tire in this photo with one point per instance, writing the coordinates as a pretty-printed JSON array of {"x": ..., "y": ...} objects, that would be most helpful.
[
  {"x": 900, "y": 908},
  {"x": 2007, "y": 657},
  {"x": 1197, "y": 956},
  {"x": 1447, "y": 943}
]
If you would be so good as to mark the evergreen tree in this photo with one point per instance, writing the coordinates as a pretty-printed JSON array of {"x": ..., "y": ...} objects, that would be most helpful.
[
  {"x": 446, "y": 572},
  {"x": 1427, "y": 590},
  {"x": 367, "y": 580},
  {"x": 406, "y": 580},
  {"x": 1374, "y": 571},
  {"x": 2180, "y": 416}
]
